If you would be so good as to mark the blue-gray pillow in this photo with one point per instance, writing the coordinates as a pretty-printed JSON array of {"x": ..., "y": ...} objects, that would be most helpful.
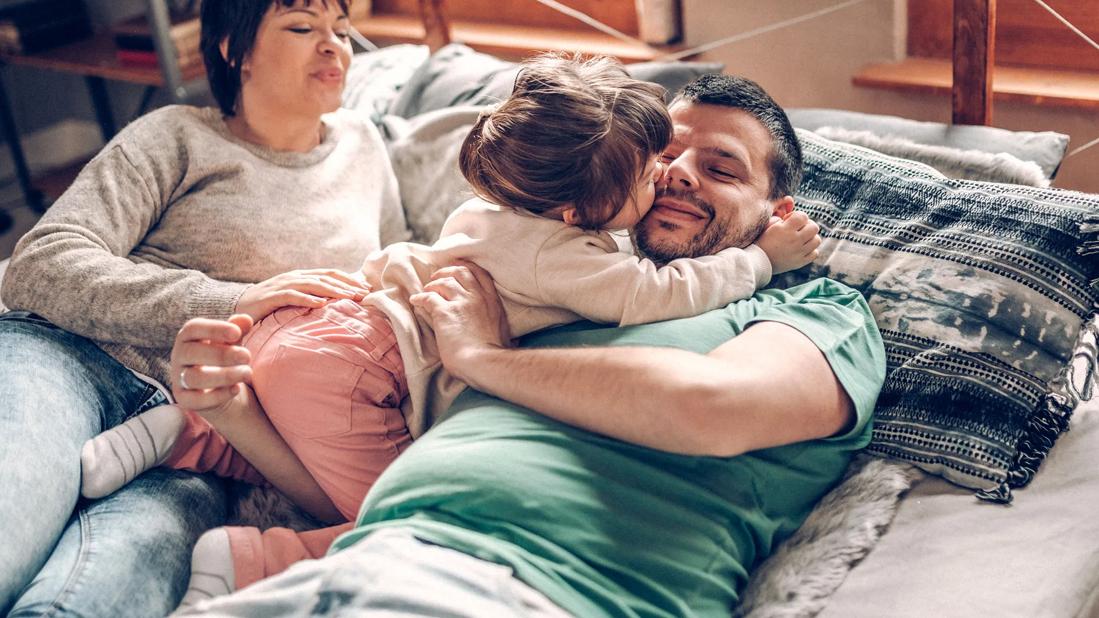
[
  {"x": 1045, "y": 148},
  {"x": 981, "y": 290},
  {"x": 375, "y": 78},
  {"x": 458, "y": 75}
]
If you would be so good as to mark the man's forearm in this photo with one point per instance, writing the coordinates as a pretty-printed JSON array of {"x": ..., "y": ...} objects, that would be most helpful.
[
  {"x": 767, "y": 387},
  {"x": 655, "y": 397}
]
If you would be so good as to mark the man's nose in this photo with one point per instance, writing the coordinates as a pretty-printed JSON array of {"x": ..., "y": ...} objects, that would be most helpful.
[{"x": 679, "y": 175}]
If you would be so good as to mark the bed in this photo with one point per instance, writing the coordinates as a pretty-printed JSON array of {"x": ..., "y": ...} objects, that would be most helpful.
[{"x": 892, "y": 539}]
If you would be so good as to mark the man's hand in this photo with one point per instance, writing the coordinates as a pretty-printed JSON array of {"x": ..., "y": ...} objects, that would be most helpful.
[
  {"x": 790, "y": 243},
  {"x": 209, "y": 367},
  {"x": 464, "y": 309},
  {"x": 299, "y": 288}
]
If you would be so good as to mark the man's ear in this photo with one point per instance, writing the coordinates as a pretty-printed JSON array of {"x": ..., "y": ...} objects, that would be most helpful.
[
  {"x": 783, "y": 207},
  {"x": 569, "y": 216}
]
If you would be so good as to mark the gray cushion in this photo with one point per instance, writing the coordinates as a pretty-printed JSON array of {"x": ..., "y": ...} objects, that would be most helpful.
[
  {"x": 375, "y": 78},
  {"x": 1045, "y": 148},
  {"x": 981, "y": 291},
  {"x": 457, "y": 75}
]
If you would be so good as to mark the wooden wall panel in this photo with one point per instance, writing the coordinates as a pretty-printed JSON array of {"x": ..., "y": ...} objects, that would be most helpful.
[
  {"x": 619, "y": 14},
  {"x": 1026, "y": 34}
]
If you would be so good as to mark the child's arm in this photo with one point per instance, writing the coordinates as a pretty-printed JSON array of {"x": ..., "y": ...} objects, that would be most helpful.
[
  {"x": 231, "y": 407},
  {"x": 580, "y": 273}
]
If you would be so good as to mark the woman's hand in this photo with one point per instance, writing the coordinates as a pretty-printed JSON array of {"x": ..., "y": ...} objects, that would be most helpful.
[
  {"x": 299, "y": 288},
  {"x": 209, "y": 367},
  {"x": 465, "y": 312}
]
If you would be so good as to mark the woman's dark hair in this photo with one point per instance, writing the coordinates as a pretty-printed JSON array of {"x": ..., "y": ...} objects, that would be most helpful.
[
  {"x": 235, "y": 22},
  {"x": 785, "y": 161},
  {"x": 574, "y": 131}
]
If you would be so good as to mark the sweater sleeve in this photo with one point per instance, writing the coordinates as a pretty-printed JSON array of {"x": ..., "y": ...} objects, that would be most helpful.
[
  {"x": 72, "y": 267},
  {"x": 579, "y": 273}
]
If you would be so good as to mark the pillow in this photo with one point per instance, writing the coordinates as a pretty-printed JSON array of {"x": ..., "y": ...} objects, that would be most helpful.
[
  {"x": 981, "y": 291},
  {"x": 952, "y": 162},
  {"x": 425, "y": 160},
  {"x": 1044, "y": 148},
  {"x": 375, "y": 78},
  {"x": 457, "y": 75}
]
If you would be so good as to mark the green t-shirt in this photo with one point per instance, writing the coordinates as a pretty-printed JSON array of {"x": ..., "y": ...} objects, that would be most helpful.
[{"x": 607, "y": 528}]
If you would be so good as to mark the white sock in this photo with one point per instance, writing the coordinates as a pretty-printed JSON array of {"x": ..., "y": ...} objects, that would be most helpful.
[
  {"x": 116, "y": 456},
  {"x": 212, "y": 573}
]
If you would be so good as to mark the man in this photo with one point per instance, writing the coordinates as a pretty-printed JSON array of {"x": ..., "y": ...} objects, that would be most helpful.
[{"x": 651, "y": 479}]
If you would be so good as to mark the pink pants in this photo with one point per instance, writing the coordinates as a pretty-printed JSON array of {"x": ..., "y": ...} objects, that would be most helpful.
[{"x": 331, "y": 381}]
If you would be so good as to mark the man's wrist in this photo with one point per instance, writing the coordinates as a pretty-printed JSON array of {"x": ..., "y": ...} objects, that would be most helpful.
[{"x": 474, "y": 365}]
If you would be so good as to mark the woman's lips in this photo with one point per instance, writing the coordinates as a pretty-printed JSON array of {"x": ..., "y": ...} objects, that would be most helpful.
[{"x": 329, "y": 75}]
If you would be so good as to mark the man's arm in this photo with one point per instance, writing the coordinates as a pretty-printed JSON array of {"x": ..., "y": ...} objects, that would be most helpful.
[{"x": 767, "y": 387}]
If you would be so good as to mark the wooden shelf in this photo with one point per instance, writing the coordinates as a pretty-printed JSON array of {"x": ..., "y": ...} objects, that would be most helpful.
[
  {"x": 508, "y": 41},
  {"x": 1046, "y": 87},
  {"x": 95, "y": 57}
]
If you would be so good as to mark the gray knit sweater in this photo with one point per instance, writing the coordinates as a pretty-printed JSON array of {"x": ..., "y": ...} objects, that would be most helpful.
[{"x": 176, "y": 216}]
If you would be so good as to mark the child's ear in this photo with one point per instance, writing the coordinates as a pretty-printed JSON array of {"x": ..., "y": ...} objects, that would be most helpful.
[
  {"x": 783, "y": 207},
  {"x": 569, "y": 216}
]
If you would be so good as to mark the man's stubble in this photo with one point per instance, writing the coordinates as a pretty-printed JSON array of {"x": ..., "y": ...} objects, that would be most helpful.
[{"x": 714, "y": 237}]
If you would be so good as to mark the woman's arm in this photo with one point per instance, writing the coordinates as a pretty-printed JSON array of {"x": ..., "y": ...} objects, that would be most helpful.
[
  {"x": 218, "y": 373},
  {"x": 73, "y": 266}
]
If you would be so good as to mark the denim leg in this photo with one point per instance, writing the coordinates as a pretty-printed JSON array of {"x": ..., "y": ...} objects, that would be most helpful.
[
  {"x": 128, "y": 554},
  {"x": 56, "y": 391}
]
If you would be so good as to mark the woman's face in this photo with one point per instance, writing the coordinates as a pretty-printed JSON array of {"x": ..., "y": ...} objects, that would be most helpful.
[{"x": 299, "y": 61}]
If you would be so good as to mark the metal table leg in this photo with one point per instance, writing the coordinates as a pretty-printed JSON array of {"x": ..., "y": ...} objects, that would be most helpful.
[
  {"x": 97, "y": 87},
  {"x": 33, "y": 196}
]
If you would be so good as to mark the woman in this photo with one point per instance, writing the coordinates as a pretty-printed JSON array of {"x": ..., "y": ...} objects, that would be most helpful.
[{"x": 186, "y": 213}]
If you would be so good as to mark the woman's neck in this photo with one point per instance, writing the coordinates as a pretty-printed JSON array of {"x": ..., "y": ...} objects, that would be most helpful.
[{"x": 276, "y": 131}]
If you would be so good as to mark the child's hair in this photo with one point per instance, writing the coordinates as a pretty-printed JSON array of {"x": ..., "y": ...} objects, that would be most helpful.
[{"x": 573, "y": 132}]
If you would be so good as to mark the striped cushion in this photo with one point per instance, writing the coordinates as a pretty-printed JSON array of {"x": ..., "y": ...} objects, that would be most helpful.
[{"x": 982, "y": 292}]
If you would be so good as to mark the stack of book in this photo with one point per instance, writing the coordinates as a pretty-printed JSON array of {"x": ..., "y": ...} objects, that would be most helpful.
[
  {"x": 133, "y": 39},
  {"x": 30, "y": 26}
]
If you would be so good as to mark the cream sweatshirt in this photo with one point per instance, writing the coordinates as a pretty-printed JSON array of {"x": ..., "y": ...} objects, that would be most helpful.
[{"x": 547, "y": 273}]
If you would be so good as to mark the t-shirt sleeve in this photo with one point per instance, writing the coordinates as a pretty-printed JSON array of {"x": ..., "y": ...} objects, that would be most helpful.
[{"x": 838, "y": 321}]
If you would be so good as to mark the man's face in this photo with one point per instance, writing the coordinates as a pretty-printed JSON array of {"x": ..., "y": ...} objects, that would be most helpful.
[{"x": 714, "y": 193}]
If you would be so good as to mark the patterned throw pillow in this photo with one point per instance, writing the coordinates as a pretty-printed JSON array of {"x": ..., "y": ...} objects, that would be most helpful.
[{"x": 982, "y": 292}]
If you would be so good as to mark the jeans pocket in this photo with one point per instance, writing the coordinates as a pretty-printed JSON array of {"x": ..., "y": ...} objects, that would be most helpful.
[{"x": 307, "y": 392}]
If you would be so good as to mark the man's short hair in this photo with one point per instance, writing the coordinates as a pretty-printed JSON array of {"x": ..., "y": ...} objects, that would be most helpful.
[{"x": 744, "y": 94}]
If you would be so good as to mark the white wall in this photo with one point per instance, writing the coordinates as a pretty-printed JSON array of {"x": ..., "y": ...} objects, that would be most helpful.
[{"x": 811, "y": 64}]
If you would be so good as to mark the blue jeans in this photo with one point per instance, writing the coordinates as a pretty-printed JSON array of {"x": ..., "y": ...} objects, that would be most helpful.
[{"x": 125, "y": 555}]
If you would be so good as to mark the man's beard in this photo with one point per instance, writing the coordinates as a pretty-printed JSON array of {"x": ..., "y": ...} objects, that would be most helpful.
[{"x": 714, "y": 237}]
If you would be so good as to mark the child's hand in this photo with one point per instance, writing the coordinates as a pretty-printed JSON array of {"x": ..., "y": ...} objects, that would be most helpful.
[{"x": 790, "y": 243}]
